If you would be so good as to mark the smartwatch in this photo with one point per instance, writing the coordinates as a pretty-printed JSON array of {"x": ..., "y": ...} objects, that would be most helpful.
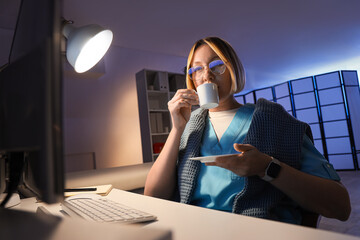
[{"x": 272, "y": 170}]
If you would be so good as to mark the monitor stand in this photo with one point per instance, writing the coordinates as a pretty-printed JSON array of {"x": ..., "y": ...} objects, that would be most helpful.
[{"x": 13, "y": 201}]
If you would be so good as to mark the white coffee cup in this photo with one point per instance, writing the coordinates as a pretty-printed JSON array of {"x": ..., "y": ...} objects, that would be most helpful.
[{"x": 208, "y": 95}]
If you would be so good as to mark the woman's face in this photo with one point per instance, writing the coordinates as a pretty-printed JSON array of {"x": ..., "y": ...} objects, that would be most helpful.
[{"x": 202, "y": 57}]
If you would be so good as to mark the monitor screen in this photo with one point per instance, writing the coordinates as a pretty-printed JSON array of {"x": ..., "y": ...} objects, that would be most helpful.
[{"x": 31, "y": 99}]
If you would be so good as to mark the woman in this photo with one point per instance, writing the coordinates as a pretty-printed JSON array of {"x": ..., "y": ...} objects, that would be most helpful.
[{"x": 275, "y": 172}]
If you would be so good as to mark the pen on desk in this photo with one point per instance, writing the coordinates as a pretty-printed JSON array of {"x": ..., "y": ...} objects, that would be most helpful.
[{"x": 80, "y": 189}]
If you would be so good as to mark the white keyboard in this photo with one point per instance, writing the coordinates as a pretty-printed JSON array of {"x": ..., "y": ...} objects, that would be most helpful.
[{"x": 99, "y": 209}]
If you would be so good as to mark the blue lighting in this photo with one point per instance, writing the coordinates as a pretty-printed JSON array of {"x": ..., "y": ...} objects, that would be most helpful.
[
  {"x": 292, "y": 99},
  {"x": 317, "y": 99},
  {"x": 344, "y": 96}
]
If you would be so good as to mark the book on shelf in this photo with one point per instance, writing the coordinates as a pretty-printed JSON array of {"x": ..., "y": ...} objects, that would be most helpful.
[
  {"x": 159, "y": 123},
  {"x": 153, "y": 128}
]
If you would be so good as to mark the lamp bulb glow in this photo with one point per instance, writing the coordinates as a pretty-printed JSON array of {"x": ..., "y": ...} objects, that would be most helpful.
[{"x": 94, "y": 49}]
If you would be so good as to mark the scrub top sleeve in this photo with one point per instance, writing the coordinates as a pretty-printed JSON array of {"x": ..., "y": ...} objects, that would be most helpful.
[{"x": 314, "y": 163}]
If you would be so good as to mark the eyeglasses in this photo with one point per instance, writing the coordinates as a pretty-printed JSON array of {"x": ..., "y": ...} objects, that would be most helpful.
[{"x": 217, "y": 67}]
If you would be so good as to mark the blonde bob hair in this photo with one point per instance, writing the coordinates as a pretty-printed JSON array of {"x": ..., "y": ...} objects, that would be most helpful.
[{"x": 227, "y": 54}]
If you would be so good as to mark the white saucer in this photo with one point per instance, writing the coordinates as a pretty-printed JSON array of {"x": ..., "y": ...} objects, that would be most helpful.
[{"x": 208, "y": 159}]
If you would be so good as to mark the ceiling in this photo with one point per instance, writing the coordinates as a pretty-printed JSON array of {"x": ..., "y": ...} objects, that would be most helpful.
[{"x": 277, "y": 40}]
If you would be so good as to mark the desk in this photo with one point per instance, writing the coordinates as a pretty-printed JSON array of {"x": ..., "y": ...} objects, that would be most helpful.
[
  {"x": 189, "y": 222},
  {"x": 21, "y": 222}
]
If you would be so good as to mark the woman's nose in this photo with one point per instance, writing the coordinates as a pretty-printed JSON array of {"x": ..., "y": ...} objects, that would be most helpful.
[{"x": 208, "y": 76}]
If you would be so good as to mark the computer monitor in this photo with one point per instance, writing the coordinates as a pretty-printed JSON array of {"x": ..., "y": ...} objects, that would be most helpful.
[{"x": 31, "y": 101}]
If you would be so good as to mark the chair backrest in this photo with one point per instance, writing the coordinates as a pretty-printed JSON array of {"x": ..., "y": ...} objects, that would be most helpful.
[{"x": 310, "y": 219}]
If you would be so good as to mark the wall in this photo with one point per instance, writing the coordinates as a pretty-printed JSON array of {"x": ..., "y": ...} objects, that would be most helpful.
[
  {"x": 101, "y": 114},
  {"x": 5, "y": 45}
]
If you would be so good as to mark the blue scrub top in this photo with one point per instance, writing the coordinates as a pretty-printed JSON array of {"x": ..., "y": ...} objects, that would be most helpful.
[{"x": 217, "y": 187}]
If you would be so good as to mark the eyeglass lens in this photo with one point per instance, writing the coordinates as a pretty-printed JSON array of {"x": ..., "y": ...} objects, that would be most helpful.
[{"x": 217, "y": 67}]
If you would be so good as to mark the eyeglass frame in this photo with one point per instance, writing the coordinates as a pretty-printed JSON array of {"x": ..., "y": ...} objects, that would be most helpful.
[{"x": 208, "y": 66}]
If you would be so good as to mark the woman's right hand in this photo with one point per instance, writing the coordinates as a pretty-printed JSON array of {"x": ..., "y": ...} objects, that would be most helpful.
[
  {"x": 180, "y": 107},
  {"x": 161, "y": 180}
]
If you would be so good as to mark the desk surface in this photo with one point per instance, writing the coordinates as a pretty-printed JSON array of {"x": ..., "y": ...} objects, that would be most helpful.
[{"x": 190, "y": 222}]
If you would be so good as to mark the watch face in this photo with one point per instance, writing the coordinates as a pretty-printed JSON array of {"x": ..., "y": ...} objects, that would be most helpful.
[{"x": 273, "y": 170}]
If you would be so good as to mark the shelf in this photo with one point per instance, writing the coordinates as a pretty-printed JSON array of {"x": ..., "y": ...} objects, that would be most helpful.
[
  {"x": 155, "y": 89},
  {"x": 158, "y": 110},
  {"x": 160, "y": 134},
  {"x": 157, "y": 92}
]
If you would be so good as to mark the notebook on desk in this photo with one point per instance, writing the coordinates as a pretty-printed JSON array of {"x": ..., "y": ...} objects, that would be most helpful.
[{"x": 102, "y": 190}]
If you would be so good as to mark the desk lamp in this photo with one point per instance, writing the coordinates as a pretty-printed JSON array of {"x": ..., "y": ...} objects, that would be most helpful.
[{"x": 86, "y": 45}]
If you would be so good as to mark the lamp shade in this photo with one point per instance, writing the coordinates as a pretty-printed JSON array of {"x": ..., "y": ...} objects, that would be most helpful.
[{"x": 86, "y": 45}]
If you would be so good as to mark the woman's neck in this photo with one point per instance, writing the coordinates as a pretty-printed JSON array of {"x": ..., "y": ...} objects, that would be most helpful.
[{"x": 227, "y": 104}]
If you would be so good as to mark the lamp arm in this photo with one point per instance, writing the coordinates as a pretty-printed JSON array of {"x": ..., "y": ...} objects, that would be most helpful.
[{"x": 67, "y": 27}]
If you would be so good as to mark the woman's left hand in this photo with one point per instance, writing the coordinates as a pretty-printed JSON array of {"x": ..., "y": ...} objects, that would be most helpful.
[
  {"x": 249, "y": 162},
  {"x": 315, "y": 194}
]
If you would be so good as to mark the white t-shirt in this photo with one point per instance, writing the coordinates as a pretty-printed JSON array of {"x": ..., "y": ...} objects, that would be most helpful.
[{"x": 221, "y": 121}]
